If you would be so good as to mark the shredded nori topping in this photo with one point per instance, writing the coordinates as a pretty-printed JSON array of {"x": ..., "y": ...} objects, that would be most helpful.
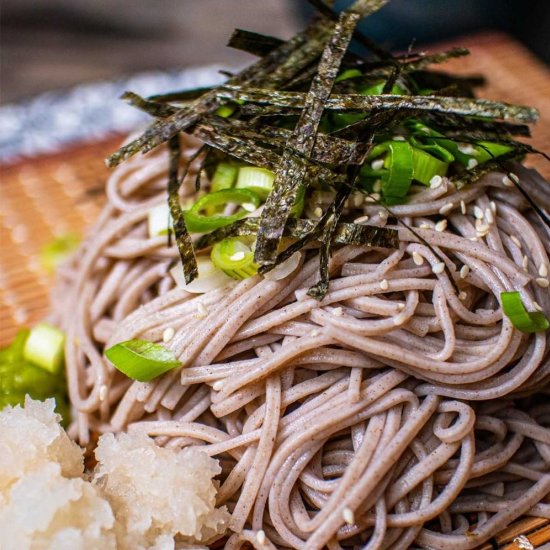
[{"x": 278, "y": 114}]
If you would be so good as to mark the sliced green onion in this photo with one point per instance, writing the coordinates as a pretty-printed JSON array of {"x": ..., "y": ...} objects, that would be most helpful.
[
  {"x": 378, "y": 89},
  {"x": 425, "y": 166},
  {"x": 224, "y": 176},
  {"x": 523, "y": 320},
  {"x": 141, "y": 360},
  {"x": 225, "y": 111},
  {"x": 199, "y": 223},
  {"x": 399, "y": 169},
  {"x": 487, "y": 150},
  {"x": 58, "y": 250},
  {"x": 235, "y": 257},
  {"x": 348, "y": 74},
  {"x": 45, "y": 347},
  {"x": 433, "y": 149},
  {"x": 258, "y": 180},
  {"x": 209, "y": 278},
  {"x": 159, "y": 220},
  {"x": 299, "y": 203}
]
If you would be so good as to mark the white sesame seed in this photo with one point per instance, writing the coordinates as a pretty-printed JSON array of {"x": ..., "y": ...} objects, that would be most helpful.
[
  {"x": 489, "y": 215},
  {"x": 473, "y": 239},
  {"x": 337, "y": 312},
  {"x": 399, "y": 138},
  {"x": 102, "y": 392},
  {"x": 493, "y": 206},
  {"x": 525, "y": 263},
  {"x": 467, "y": 149},
  {"x": 438, "y": 268},
  {"x": 513, "y": 177},
  {"x": 314, "y": 333},
  {"x": 238, "y": 256},
  {"x": 542, "y": 282},
  {"x": 441, "y": 225},
  {"x": 217, "y": 385},
  {"x": 168, "y": 334},
  {"x": 377, "y": 164},
  {"x": 435, "y": 182},
  {"x": 478, "y": 213},
  {"x": 318, "y": 212},
  {"x": 515, "y": 240},
  {"x": 417, "y": 258},
  {"x": 361, "y": 219},
  {"x": 400, "y": 319},
  {"x": 202, "y": 312},
  {"x": 464, "y": 271},
  {"x": 462, "y": 296},
  {"x": 248, "y": 206},
  {"x": 543, "y": 270},
  {"x": 472, "y": 163},
  {"x": 482, "y": 233},
  {"x": 463, "y": 207},
  {"x": 260, "y": 537},
  {"x": 400, "y": 306},
  {"x": 348, "y": 516},
  {"x": 446, "y": 208},
  {"x": 358, "y": 200},
  {"x": 482, "y": 228},
  {"x": 507, "y": 182},
  {"x": 384, "y": 285},
  {"x": 425, "y": 225},
  {"x": 373, "y": 197},
  {"x": 537, "y": 306}
]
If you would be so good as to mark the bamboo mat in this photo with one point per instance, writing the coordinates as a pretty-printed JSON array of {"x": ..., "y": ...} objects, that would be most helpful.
[{"x": 62, "y": 193}]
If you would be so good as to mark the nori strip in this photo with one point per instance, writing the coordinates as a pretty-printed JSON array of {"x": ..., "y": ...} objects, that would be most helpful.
[
  {"x": 181, "y": 95},
  {"x": 452, "y": 123},
  {"x": 253, "y": 42},
  {"x": 424, "y": 60},
  {"x": 345, "y": 233},
  {"x": 453, "y": 105},
  {"x": 439, "y": 79},
  {"x": 291, "y": 172},
  {"x": 152, "y": 107},
  {"x": 370, "y": 44},
  {"x": 271, "y": 70},
  {"x": 319, "y": 289},
  {"x": 183, "y": 239}
]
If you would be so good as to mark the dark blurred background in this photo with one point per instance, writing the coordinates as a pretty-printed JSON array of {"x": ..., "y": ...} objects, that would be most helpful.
[{"x": 53, "y": 44}]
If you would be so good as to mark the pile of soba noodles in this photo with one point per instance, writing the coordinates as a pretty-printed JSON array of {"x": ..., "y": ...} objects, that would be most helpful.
[{"x": 397, "y": 412}]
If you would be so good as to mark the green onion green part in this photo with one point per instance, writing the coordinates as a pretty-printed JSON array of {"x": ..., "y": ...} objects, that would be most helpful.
[
  {"x": 235, "y": 257},
  {"x": 224, "y": 176},
  {"x": 45, "y": 347},
  {"x": 141, "y": 360},
  {"x": 523, "y": 320},
  {"x": 258, "y": 180},
  {"x": 197, "y": 222}
]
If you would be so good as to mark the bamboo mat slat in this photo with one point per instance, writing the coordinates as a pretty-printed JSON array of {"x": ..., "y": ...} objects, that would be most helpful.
[{"x": 62, "y": 193}]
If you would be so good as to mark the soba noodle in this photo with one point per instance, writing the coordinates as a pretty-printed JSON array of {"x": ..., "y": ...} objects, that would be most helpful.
[{"x": 396, "y": 412}]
